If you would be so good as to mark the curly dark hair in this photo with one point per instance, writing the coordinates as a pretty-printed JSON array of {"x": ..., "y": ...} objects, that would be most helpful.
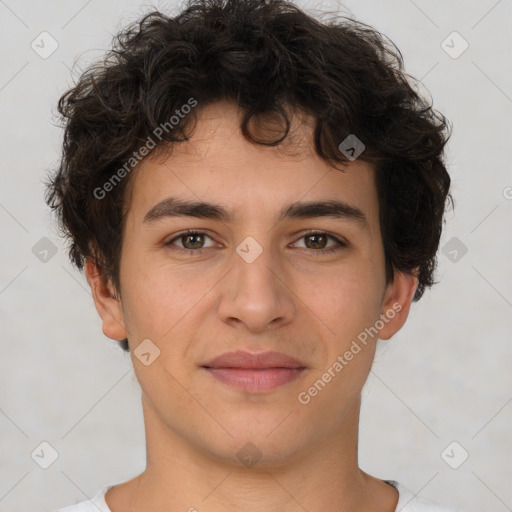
[{"x": 267, "y": 57}]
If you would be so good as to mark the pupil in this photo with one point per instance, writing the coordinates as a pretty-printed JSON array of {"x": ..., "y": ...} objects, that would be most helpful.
[
  {"x": 195, "y": 236},
  {"x": 316, "y": 237}
]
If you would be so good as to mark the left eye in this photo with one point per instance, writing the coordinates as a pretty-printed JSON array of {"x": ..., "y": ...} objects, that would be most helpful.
[
  {"x": 321, "y": 239},
  {"x": 192, "y": 242},
  {"x": 195, "y": 238}
]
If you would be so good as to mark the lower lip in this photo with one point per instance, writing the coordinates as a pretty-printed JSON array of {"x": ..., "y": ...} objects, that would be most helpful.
[{"x": 254, "y": 381}]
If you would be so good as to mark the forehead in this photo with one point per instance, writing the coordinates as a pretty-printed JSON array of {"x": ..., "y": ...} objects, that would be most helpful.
[{"x": 219, "y": 166}]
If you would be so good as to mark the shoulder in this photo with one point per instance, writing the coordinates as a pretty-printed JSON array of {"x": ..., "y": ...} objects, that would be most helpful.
[
  {"x": 408, "y": 502},
  {"x": 96, "y": 504},
  {"x": 84, "y": 506}
]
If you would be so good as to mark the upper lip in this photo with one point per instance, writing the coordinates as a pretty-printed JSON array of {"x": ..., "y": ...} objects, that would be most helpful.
[{"x": 254, "y": 360}]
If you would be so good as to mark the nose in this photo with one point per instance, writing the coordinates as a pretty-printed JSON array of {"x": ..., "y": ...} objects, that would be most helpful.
[{"x": 256, "y": 294}]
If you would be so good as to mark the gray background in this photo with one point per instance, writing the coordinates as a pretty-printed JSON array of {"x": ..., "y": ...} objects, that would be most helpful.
[{"x": 444, "y": 377}]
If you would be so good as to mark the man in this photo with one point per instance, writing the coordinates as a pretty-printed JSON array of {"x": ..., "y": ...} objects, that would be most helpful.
[{"x": 255, "y": 198}]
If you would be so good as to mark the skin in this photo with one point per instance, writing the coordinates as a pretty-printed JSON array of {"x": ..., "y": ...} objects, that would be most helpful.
[{"x": 290, "y": 299}]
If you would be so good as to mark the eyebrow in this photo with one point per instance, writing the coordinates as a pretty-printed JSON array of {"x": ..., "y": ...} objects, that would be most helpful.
[{"x": 174, "y": 207}]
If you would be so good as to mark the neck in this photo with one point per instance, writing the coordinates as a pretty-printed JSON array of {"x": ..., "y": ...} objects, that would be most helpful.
[{"x": 184, "y": 476}]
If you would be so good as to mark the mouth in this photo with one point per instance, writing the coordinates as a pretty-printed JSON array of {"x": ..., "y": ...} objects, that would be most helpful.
[
  {"x": 254, "y": 372},
  {"x": 255, "y": 380}
]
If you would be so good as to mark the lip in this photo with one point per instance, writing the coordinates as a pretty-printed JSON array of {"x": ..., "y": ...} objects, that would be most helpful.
[
  {"x": 254, "y": 372},
  {"x": 254, "y": 360}
]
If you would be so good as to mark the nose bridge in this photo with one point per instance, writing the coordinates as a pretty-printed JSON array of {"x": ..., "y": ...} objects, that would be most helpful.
[{"x": 255, "y": 293}]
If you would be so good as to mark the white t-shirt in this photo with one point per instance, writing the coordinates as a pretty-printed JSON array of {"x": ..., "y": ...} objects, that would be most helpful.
[{"x": 407, "y": 502}]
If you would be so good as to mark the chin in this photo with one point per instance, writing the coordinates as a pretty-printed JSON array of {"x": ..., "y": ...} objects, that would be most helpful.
[{"x": 265, "y": 446}]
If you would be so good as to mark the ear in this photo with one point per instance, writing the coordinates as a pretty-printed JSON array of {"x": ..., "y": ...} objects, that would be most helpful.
[
  {"x": 397, "y": 302},
  {"x": 107, "y": 305}
]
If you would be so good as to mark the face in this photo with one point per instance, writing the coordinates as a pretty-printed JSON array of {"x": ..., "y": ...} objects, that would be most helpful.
[{"x": 271, "y": 275}]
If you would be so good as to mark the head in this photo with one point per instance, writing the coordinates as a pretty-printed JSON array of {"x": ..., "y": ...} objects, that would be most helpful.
[{"x": 248, "y": 107}]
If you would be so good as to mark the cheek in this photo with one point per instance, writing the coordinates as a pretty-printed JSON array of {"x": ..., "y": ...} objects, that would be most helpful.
[
  {"x": 349, "y": 306},
  {"x": 160, "y": 295},
  {"x": 349, "y": 302}
]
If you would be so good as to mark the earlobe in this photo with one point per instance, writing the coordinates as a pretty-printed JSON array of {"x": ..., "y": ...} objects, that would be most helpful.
[
  {"x": 397, "y": 303},
  {"x": 106, "y": 301}
]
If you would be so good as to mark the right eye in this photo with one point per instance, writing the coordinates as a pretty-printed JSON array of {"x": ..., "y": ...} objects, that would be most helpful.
[{"x": 192, "y": 238}]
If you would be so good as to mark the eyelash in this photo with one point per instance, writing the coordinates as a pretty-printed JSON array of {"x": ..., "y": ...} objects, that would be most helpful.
[{"x": 191, "y": 252}]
